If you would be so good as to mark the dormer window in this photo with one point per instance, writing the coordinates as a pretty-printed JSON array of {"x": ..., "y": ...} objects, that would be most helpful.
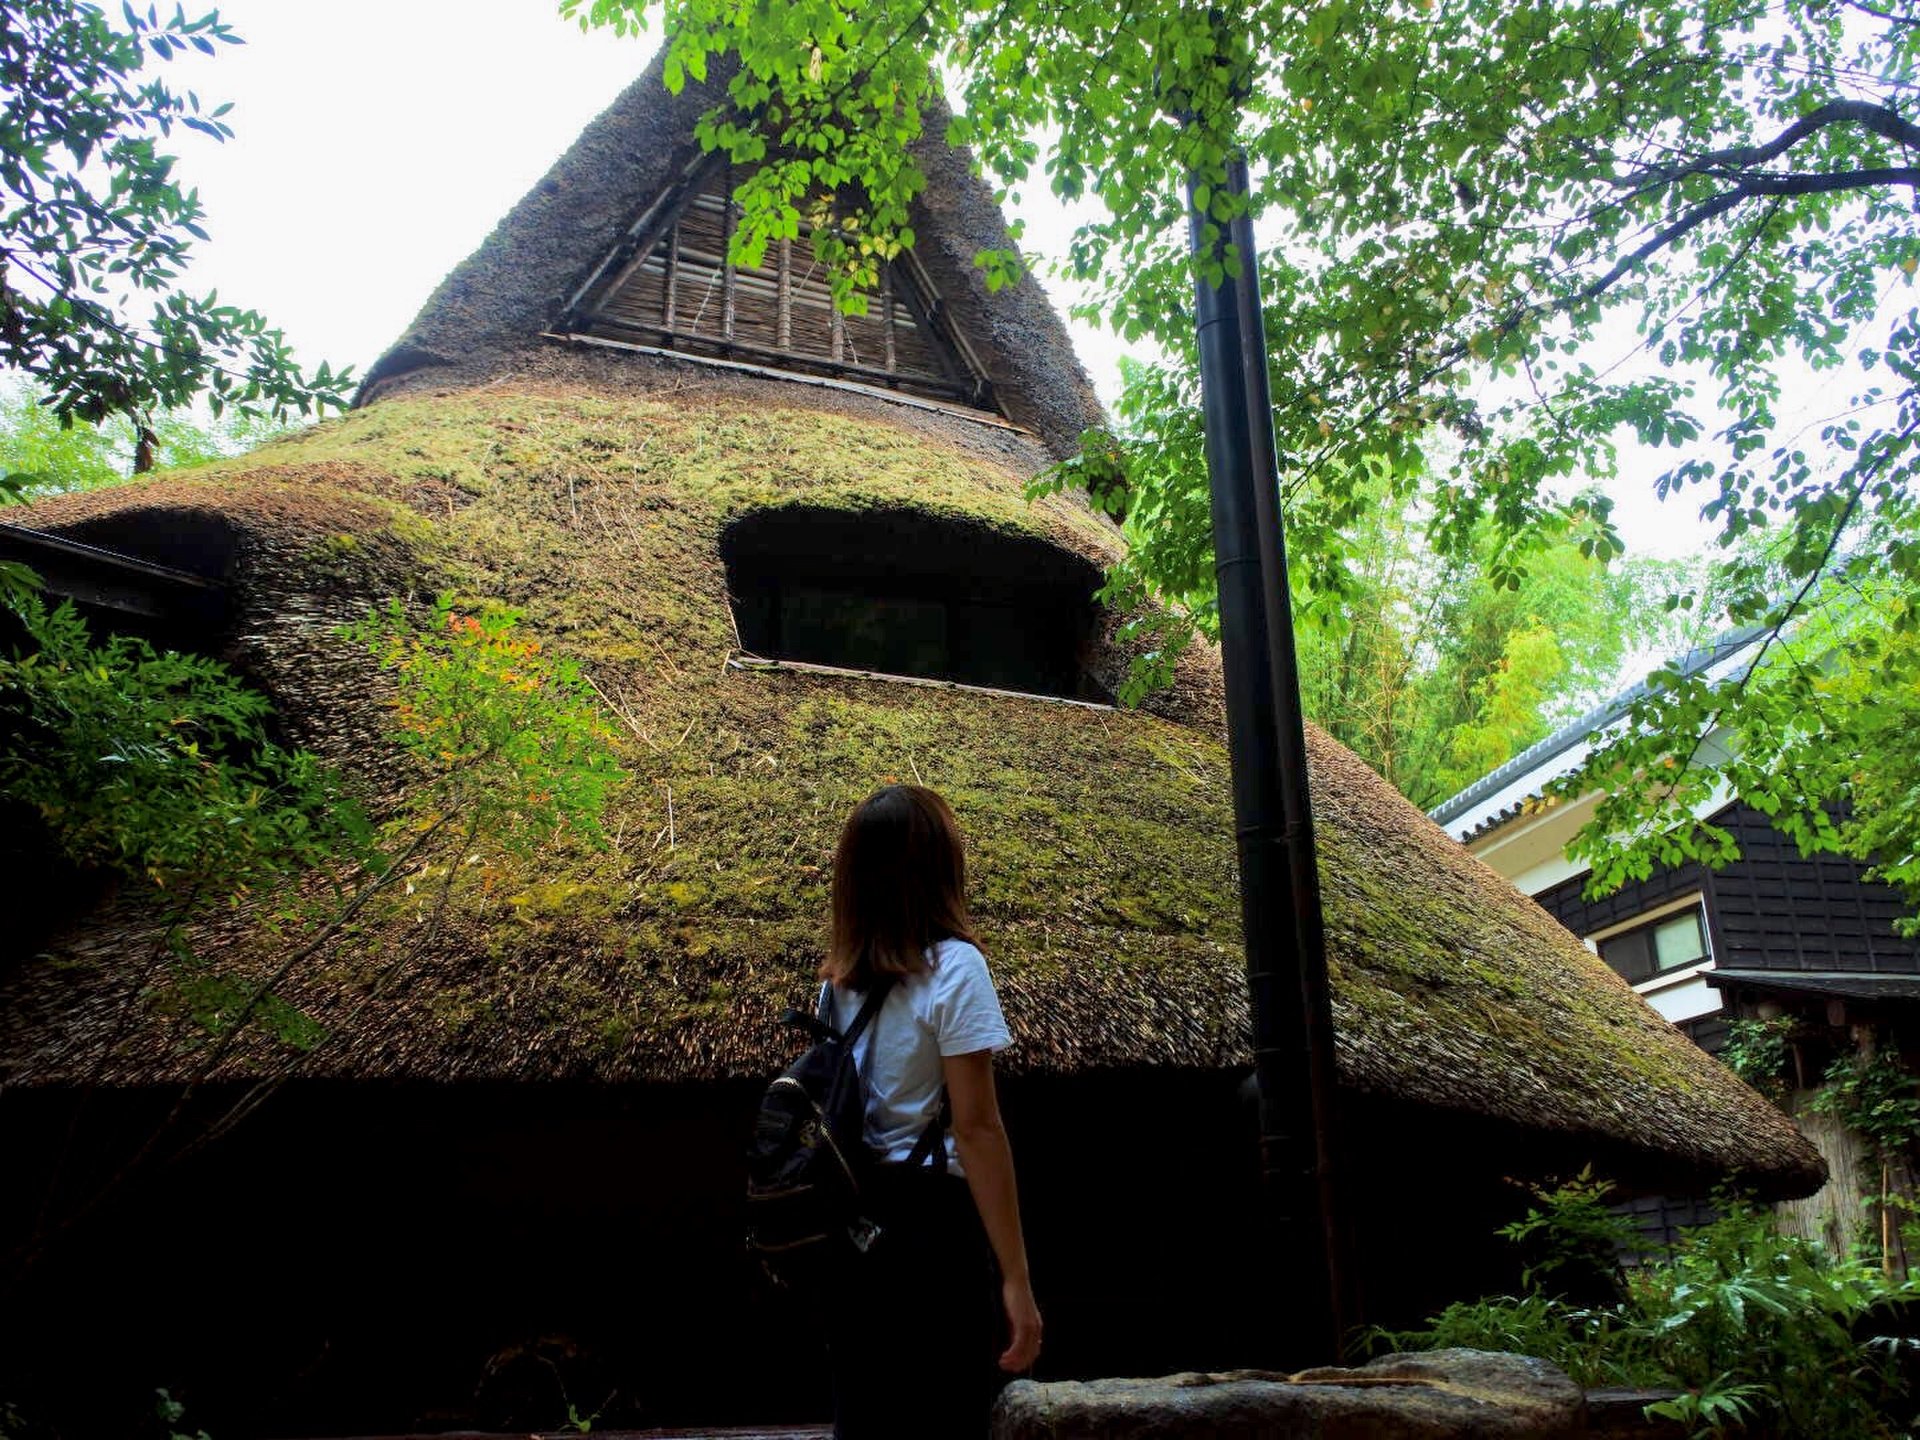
[
  {"x": 669, "y": 286},
  {"x": 907, "y": 593}
]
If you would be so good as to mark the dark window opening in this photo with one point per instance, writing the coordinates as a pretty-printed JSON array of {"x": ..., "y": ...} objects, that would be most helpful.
[
  {"x": 1672, "y": 942},
  {"x": 195, "y": 542},
  {"x": 906, "y": 593},
  {"x": 157, "y": 574}
]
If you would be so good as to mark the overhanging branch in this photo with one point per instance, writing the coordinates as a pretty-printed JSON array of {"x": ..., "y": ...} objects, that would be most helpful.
[
  {"x": 1877, "y": 119},
  {"x": 1751, "y": 188}
]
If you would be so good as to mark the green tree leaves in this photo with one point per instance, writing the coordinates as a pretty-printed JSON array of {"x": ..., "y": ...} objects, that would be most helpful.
[
  {"x": 1438, "y": 669},
  {"x": 95, "y": 229},
  {"x": 157, "y": 765},
  {"x": 1763, "y": 1333},
  {"x": 510, "y": 739},
  {"x": 41, "y": 457}
]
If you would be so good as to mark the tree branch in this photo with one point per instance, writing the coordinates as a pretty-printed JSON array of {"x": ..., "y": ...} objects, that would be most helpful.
[
  {"x": 332, "y": 927},
  {"x": 1878, "y": 119},
  {"x": 1877, "y": 13},
  {"x": 1806, "y": 183},
  {"x": 326, "y": 932},
  {"x": 1751, "y": 188},
  {"x": 264, "y": 1090},
  {"x": 1782, "y": 617}
]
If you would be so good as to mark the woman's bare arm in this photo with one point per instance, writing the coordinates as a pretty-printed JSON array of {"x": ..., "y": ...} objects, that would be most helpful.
[{"x": 981, "y": 1139}]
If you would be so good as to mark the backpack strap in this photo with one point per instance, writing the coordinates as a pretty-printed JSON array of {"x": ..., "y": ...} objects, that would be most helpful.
[
  {"x": 820, "y": 1024},
  {"x": 870, "y": 1007},
  {"x": 931, "y": 1147}
]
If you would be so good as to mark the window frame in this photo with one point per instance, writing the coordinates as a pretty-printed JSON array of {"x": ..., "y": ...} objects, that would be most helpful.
[
  {"x": 851, "y": 560},
  {"x": 1648, "y": 923}
]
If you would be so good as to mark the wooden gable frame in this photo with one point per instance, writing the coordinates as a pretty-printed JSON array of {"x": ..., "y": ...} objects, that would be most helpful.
[{"x": 668, "y": 284}]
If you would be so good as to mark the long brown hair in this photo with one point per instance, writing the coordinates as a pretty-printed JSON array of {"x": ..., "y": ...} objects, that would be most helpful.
[{"x": 899, "y": 886}]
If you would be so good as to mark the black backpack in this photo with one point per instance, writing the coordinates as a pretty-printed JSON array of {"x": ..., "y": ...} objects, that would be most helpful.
[{"x": 808, "y": 1155}]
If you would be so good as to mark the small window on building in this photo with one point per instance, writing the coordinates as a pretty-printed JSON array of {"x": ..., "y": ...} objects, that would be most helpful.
[
  {"x": 1672, "y": 942},
  {"x": 907, "y": 593}
]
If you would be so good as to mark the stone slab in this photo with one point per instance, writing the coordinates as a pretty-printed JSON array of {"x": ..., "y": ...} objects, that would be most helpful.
[{"x": 1437, "y": 1395}]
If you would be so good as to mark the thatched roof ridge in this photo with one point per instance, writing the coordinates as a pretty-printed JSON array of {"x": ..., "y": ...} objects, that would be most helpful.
[
  {"x": 1102, "y": 841},
  {"x": 486, "y": 318}
]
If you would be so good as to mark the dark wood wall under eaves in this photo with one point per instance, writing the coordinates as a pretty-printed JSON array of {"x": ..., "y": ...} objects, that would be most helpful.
[
  {"x": 367, "y": 1259},
  {"x": 1772, "y": 909}
]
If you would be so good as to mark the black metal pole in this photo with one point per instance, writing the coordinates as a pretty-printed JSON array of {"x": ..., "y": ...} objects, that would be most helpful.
[{"x": 1273, "y": 815}]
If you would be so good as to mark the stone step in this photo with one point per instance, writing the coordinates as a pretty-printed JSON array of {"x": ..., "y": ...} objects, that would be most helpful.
[{"x": 759, "y": 1432}]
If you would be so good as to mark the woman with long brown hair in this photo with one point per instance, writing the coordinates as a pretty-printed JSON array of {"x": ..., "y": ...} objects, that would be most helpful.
[{"x": 914, "y": 1321}]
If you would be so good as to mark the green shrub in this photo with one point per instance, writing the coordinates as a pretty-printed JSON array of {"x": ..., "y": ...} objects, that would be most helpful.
[
  {"x": 1874, "y": 1095},
  {"x": 1573, "y": 1242},
  {"x": 1765, "y": 1335}
]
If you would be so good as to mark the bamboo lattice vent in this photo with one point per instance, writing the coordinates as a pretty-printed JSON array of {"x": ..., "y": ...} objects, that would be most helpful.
[{"x": 671, "y": 286}]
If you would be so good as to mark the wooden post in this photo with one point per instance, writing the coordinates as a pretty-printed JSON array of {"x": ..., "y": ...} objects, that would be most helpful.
[
  {"x": 783, "y": 326},
  {"x": 673, "y": 276},
  {"x": 886, "y": 311},
  {"x": 1886, "y": 1216},
  {"x": 726, "y": 265}
]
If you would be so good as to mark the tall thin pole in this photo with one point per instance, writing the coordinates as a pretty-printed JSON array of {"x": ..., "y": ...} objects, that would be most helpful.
[{"x": 1273, "y": 813}]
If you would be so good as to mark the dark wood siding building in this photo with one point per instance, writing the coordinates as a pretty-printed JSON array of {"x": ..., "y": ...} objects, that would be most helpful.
[
  {"x": 1807, "y": 943},
  {"x": 1808, "y": 924}
]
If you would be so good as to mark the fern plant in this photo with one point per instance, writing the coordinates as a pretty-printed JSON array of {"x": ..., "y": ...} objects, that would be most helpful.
[{"x": 1764, "y": 1334}]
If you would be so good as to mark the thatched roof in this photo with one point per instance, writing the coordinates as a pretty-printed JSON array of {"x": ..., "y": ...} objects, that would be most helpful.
[
  {"x": 1102, "y": 840},
  {"x": 487, "y": 317}
]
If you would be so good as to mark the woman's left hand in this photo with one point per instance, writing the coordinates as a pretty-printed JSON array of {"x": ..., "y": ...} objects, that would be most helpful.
[{"x": 1023, "y": 1325}]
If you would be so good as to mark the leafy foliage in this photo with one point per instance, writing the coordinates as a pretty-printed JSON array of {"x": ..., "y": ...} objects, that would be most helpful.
[
  {"x": 1871, "y": 674},
  {"x": 1575, "y": 1236},
  {"x": 1757, "y": 1051},
  {"x": 39, "y": 456},
  {"x": 1436, "y": 674},
  {"x": 160, "y": 767},
  {"x": 94, "y": 221},
  {"x": 510, "y": 738},
  {"x": 1875, "y": 1095},
  {"x": 1763, "y": 1333},
  {"x": 1468, "y": 208},
  {"x": 1433, "y": 667},
  {"x": 172, "y": 1414},
  {"x": 157, "y": 765}
]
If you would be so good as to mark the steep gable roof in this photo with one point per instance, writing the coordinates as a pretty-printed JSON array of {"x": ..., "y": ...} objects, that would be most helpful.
[{"x": 573, "y": 259}]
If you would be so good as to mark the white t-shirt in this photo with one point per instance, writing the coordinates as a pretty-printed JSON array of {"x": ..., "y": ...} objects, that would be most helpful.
[{"x": 948, "y": 1009}]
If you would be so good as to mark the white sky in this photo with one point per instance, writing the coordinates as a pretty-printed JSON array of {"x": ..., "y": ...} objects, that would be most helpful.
[{"x": 376, "y": 145}]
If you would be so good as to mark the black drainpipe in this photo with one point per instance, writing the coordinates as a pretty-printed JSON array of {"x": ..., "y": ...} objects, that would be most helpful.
[{"x": 1273, "y": 814}]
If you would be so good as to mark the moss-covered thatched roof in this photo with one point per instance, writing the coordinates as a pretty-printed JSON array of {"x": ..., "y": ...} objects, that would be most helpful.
[
  {"x": 487, "y": 318},
  {"x": 1104, "y": 877}
]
